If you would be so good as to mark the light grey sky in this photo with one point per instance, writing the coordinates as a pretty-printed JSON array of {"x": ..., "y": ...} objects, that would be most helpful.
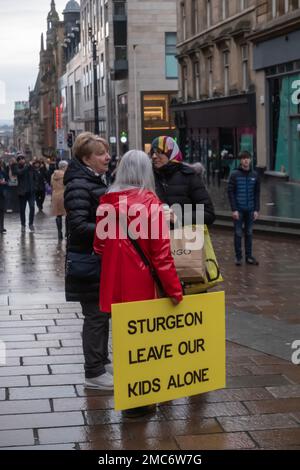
[{"x": 21, "y": 25}]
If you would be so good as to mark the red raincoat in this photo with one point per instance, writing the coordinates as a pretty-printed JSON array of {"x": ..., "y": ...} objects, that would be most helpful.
[{"x": 124, "y": 276}]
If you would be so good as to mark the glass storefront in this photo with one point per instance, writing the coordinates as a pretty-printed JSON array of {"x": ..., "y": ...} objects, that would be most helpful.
[
  {"x": 218, "y": 148},
  {"x": 285, "y": 124},
  {"x": 157, "y": 117}
]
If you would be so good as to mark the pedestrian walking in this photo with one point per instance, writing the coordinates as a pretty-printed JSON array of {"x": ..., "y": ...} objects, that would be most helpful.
[
  {"x": 125, "y": 277},
  {"x": 57, "y": 201},
  {"x": 26, "y": 190},
  {"x": 244, "y": 197},
  {"x": 176, "y": 182},
  {"x": 3, "y": 186},
  {"x": 84, "y": 183},
  {"x": 40, "y": 183}
]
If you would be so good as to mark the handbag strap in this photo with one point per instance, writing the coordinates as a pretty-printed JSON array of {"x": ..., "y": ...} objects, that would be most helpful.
[{"x": 145, "y": 261}]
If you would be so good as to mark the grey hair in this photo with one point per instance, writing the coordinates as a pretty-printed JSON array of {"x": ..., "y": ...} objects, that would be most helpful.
[
  {"x": 62, "y": 164},
  {"x": 134, "y": 170}
]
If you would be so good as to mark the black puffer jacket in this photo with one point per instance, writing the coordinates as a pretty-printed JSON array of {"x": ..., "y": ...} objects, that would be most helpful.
[
  {"x": 177, "y": 183},
  {"x": 82, "y": 192}
]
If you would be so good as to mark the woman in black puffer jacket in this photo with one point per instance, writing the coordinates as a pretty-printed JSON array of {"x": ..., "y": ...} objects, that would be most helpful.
[
  {"x": 176, "y": 182},
  {"x": 84, "y": 184}
]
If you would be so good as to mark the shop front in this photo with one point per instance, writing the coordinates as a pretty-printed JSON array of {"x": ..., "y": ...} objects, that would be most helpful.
[
  {"x": 157, "y": 118},
  {"x": 276, "y": 59},
  {"x": 214, "y": 132},
  {"x": 284, "y": 109}
]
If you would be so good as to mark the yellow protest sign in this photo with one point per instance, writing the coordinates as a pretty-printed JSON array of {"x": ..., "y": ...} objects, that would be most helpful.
[{"x": 162, "y": 352}]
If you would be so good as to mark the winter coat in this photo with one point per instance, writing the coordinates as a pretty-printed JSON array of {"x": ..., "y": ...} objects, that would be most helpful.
[
  {"x": 40, "y": 179},
  {"x": 177, "y": 183},
  {"x": 82, "y": 191},
  {"x": 26, "y": 178},
  {"x": 124, "y": 276},
  {"x": 3, "y": 176},
  {"x": 57, "y": 201},
  {"x": 244, "y": 191}
]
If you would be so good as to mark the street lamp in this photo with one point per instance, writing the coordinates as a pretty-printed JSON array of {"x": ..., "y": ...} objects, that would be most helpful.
[
  {"x": 135, "y": 95},
  {"x": 96, "y": 109}
]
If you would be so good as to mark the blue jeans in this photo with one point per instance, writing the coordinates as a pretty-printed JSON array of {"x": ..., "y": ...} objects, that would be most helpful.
[
  {"x": 245, "y": 221},
  {"x": 30, "y": 198}
]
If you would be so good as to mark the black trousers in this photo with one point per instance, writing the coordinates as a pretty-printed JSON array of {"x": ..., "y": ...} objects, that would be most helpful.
[
  {"x": 30, "y": 198},
  {"x": 40, "y": 198},
  {"x": 95, "y": 335},
  {"x": 2, "y": 212}
]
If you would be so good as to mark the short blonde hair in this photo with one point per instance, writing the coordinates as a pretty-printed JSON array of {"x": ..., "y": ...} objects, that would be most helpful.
[{"x": 88, "y": 143}]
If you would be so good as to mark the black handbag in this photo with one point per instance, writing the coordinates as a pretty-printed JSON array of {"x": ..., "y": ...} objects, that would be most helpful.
[{"x": 83, "y": 266}]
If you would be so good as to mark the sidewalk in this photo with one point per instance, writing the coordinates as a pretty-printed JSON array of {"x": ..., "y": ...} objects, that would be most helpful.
[
  {"x": 43, "y": 404},
  {"x": 279, "y": 205}
]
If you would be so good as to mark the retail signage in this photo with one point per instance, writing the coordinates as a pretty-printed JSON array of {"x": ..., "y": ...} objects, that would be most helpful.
[
  {"x": 60, "y": 139},
  {"x": 163, "y": 352},
  {"x": 296, "y": 93}
]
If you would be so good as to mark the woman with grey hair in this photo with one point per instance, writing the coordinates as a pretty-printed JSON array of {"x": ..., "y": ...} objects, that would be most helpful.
[
  {"x": 134, "y": 260},
  {"x": 57, "y": 202}
]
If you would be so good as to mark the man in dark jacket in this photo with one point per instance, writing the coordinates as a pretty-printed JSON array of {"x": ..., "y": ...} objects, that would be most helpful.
[
  {"x": 40, "y": 183},
  {"x": 84, "y": 184},
  {"x": 26, "y": 190},
  {"x": 244, "y": 197}
]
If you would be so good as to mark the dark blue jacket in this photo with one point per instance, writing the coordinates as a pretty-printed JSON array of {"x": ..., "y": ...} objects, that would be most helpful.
[{"x": 244, "y": 191}]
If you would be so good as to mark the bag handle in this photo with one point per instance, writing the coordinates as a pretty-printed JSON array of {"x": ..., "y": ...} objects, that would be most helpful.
[{"x": 209, "y": 278}]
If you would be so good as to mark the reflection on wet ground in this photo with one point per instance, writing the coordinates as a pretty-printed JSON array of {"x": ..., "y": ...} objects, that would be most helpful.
[{"x": 278, "y": 198}]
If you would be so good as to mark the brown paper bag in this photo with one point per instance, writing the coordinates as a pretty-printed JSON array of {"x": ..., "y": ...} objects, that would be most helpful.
[{"x": 187, "y": 248}]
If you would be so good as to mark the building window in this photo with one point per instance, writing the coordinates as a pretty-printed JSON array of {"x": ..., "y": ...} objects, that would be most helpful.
[
  {"x": 195, "y": 20},
  {"x": 120, "y": 8},
  {"x": 77, "y": 98},
  {"x": 156, "y": 112},
  {"x": 196, "y": 80},
  {"x": 102, "y": 77},
  {"x": 91, "y": 81},
  {"x": 245, "y": 67},
  {"x": 72, "y": 102},
  {"x": 170, "y": 52},
  {"x": 224, "y": 9},
  {"x": 226, "y": 72},
  {"x": 183, "y": 21},
  {"x": 208, "y": 13},
  {"x": 295, "y": 4},
  {"x": 185, "y": 82},
  {"x": 210, "y": 76}
]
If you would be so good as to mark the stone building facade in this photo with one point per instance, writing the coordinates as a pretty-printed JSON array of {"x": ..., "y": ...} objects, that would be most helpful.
[
  {"x": 239, "y": 83},
  {"x": 215, "y": 113},
  {"x": 136, "y": 71}
]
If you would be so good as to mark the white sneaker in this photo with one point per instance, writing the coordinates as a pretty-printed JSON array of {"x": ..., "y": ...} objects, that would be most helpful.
[
  {"x": 109, "y": 368},
  {"x": 102, "y": 382}
]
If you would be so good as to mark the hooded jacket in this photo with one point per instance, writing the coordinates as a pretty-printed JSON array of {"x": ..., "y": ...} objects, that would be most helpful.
[
  {"x": 81, "y": 198},
  {"x": 177, "y": 183},
  {"x": 124, "y": 276}
]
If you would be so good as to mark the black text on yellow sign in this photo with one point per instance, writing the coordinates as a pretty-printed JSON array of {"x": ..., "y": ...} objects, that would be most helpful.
[{"x": 162, "y": 352}]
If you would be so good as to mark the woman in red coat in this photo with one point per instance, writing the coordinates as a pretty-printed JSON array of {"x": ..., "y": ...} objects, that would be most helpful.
[
  {"x": 124, "y": 276},
  {"x": 132, "y": 203}
]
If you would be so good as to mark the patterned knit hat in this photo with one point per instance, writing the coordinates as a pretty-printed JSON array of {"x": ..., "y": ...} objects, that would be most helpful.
[{"x": 168, "y": 146}]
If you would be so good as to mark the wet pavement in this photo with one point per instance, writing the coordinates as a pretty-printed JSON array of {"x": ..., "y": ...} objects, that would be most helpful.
[
  {"x": 43, "y": 404},
  {"x": 279, "y": 199}
]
